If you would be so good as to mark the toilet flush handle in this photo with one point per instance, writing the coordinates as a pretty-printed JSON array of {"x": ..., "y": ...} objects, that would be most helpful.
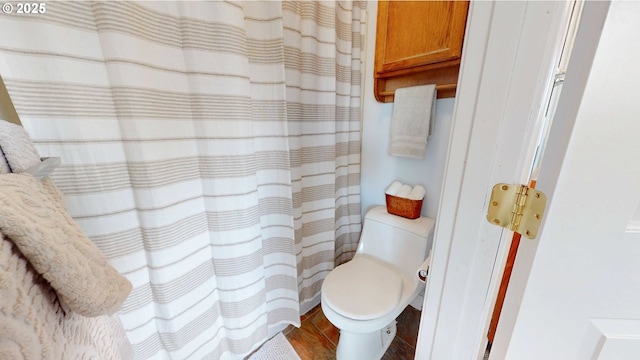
[
  {"x": 423, "y": 274},
  {"x": 423, "y": 270}
]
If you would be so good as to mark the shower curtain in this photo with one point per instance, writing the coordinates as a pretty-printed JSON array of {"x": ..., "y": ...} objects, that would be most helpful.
[{"x": 210, "y": 149}]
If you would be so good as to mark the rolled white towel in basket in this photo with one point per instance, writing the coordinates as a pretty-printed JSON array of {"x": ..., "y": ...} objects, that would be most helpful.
[
  {"x": 417, "y": 193},
  {"x": 404, "y": 191},
  {"x": 393, "y": 188}
]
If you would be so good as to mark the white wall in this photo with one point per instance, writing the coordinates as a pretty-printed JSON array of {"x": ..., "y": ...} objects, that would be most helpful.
[{"x": 380, "y": 169}]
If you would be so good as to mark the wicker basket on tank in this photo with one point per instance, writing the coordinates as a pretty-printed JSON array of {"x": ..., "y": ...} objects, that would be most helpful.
[{"x": 404, "y": 207}]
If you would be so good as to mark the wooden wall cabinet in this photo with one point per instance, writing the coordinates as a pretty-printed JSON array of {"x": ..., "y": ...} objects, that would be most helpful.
[{"x": 418, "y": 43}]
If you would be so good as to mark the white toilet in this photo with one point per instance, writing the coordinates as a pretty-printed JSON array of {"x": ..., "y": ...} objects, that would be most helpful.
[{"x": 364, "y": 296}]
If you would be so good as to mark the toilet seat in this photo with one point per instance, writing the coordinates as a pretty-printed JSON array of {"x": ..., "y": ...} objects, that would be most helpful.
[{"x": 362, "y": 289}]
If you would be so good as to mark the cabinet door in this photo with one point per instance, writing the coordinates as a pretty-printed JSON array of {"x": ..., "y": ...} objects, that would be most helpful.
[{"x": 418, "y": 42}]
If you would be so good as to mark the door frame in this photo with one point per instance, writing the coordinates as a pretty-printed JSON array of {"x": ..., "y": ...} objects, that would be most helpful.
[{"x": 507, "y": 68}]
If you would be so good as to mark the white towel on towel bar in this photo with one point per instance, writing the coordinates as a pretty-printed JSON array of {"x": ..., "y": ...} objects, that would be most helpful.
[{"x": 413, "y": 110}]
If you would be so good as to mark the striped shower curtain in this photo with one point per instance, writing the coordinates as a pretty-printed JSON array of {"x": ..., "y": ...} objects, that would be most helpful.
[{"x": 210, "y": 149}]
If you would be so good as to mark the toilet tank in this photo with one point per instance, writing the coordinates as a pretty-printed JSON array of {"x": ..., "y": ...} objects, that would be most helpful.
[{"x": 398, "y": 241}]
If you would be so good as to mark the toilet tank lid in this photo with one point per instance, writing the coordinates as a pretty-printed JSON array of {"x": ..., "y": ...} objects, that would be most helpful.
[{"x": 421, "y": 226}]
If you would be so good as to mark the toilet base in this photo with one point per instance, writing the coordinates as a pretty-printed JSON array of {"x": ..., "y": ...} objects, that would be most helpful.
[{"x": 370, "y": 346}]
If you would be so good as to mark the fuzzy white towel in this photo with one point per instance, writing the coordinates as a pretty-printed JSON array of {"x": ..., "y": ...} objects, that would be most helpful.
[
  {"x": 34, "y": 326},
  {"x": 33, "y": 217},
  {"x": 4, "y": 166},
  {"x": 17, "y": 148},
  {"x": 413, "y": 110}
]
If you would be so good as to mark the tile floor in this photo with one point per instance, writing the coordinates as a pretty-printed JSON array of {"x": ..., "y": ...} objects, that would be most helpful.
[{"x": 317, "y": 338}]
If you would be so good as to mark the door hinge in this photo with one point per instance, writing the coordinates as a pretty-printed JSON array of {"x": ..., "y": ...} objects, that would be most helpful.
[{"x": 518, "y": 208}]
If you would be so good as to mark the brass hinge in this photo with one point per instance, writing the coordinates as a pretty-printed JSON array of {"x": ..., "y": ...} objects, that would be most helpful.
[{"x": 518, "y": 208}]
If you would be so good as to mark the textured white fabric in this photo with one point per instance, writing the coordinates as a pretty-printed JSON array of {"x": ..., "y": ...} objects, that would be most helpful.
[
  {"x": 404, "y": 191},
  {"x": 210, "y": 149},
  {"x": 4, "y": 166},
  {"x": 277, "y": 348},
  {"x": 34, "y": 325},
  {"x": 417, "y": 193},
  {"x": 17, "y": 148},
  {"x": 413, "y": 111},
  {"x": 394, "y": 188},
  {"x": 32, "y": 215}
]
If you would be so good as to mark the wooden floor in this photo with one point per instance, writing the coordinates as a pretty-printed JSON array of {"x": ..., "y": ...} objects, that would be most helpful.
[{"x": 317, "y": 338}]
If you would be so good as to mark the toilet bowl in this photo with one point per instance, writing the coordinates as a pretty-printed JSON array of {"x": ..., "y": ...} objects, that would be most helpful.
[{"x": 364, "y": 296}]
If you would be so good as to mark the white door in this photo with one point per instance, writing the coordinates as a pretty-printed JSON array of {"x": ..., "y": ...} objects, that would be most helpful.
[
  {"x": 577, "y": 293},
  {"x": 509, "y": 59}
]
